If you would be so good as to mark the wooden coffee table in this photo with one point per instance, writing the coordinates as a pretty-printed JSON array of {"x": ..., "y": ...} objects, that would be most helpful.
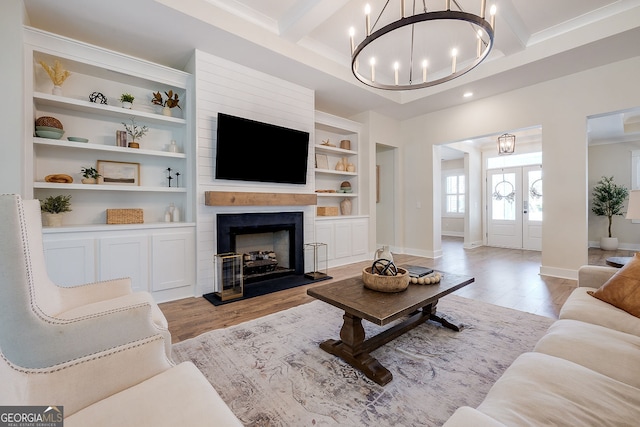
[{"x": 418, "y": 302}]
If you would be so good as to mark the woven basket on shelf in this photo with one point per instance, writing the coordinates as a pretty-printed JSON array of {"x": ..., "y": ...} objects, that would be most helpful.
[
  {"x": 48, "y": 121},
  {"x": 124, "y": 216}
]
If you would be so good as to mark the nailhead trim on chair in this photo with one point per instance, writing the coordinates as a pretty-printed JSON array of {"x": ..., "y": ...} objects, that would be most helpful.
[{"x": 89, "y": 358}]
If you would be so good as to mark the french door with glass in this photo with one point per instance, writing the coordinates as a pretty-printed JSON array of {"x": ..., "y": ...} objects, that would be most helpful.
[{"x": 514, "y": 207}]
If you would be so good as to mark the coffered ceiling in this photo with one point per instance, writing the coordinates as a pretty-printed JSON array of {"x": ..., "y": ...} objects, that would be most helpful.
[{"x": 306, "y": 41}]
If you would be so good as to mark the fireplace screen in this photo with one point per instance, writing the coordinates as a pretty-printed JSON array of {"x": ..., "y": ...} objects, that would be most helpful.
[{"x": 228, "y": 276}]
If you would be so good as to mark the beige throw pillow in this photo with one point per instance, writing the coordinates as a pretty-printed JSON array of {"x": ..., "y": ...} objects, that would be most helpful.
[{"x": 622, "y": 290}]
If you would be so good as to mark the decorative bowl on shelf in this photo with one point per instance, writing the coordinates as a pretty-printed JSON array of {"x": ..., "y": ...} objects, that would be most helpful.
[
  {"x": 77, "y": 139},
  {"x": 49, "y": 134},
  {"x": 383, "y": 283},
  {"x": 49, "y": 128}
]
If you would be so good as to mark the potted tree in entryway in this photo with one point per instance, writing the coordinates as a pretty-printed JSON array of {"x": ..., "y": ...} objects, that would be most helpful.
[{"x": 608, "y": 199}]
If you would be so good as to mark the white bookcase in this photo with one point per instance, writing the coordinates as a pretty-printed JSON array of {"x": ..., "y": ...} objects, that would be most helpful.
[
  {"x": 334, "y": 129},
  {"x": 97, "y": 70},
  {"x": 345, "y": 235}
]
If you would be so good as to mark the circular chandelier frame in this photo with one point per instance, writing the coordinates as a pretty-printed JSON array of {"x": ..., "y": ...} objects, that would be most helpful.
[{"x": 441, "y": 15}]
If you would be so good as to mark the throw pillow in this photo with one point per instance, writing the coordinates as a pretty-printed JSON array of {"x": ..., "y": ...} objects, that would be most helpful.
[{"x": 622, "y": 290}]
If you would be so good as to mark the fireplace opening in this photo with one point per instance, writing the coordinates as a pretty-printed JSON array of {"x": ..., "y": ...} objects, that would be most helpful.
[
  {"x": 271, "y": 244},
  {"x": 265, "y": 255}
]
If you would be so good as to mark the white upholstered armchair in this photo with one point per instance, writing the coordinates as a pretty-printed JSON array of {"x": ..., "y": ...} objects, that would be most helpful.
[
  {"x": 105, "y": 368},
  {"x": 84, "y": 300}
]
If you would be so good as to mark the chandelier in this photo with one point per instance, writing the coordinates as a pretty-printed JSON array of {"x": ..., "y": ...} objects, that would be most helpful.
[
  {"x": 423, "y": 49},
  {"x": 506, "y": 144}
]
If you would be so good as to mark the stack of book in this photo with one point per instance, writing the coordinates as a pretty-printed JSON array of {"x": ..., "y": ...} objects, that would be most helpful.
[{"x": 417, "y": 271}]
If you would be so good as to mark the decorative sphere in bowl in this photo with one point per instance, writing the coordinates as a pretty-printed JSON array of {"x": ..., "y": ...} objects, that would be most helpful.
[{"x": 384, "y": 283}]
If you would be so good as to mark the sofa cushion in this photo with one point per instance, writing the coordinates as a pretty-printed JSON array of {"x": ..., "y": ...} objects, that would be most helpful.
[
  {"x": 582, "y": 306},
  {"x": 538, "y": 389},
  {"x": 622, "y": 290},
  {"x": 610, "y": 352},
  {"x": 180, "y": 396}
]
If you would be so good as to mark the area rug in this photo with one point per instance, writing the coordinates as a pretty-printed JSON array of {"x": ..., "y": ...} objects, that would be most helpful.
[{"x": 271, "y": 372}]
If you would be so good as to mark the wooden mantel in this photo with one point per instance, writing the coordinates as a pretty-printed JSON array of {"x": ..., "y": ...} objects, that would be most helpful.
[{"x": 234, "y": 198}]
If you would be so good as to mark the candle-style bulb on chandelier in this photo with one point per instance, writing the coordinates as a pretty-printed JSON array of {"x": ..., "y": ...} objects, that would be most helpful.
[{"x": 408, "y": 46}]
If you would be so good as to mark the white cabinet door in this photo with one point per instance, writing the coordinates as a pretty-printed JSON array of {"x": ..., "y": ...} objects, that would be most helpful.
[
  {"x": 343, "y": 239},
  {"x": 347, "y": 239},
  {"x": 359, "y": 237},
  {"x": 125, "y": 257},
  {"x": 172, "y": 260},
  {"x": 70, "y": 262},
  {"x": 324, "y": 234}
]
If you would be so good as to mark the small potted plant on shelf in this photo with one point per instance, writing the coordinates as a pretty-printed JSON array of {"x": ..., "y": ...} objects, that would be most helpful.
[
  {"x": 172, "y": 101},
  {"x": 608, "y": 198},
  {"x": 53, "y": 207},
  {"x": 127, "y": 100},
  {"x": 90, "y": 175},
  {"x": 135, "y": 131}
]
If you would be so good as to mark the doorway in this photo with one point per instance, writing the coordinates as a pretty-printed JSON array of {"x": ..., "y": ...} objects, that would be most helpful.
[
  {"x": 514, "y": 207},
  {"x": 386, "y": 196}
]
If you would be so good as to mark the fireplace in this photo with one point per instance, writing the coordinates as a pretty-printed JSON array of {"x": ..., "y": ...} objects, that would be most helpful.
[{"x": 272, "y": 243}]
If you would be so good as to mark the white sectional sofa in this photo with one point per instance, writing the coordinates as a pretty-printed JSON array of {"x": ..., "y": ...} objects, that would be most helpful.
[{"x": 585, "y": 371}]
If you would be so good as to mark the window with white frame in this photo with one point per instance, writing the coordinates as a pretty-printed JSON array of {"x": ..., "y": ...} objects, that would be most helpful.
[{"x": 454, "y": 191}]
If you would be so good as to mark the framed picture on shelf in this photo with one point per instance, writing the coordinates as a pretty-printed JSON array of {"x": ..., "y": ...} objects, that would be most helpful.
[
  {"x": 322, "y": 161},
  {"x": 118, "y": 173}
]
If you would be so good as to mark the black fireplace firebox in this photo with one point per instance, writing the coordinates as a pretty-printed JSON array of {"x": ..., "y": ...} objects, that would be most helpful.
[{"x": 230, "y": 226}]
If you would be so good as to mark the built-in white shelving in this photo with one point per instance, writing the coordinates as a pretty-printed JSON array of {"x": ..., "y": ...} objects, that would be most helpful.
[
  {"x": 56, "y": 101},
  {"x": 94, "y": 70},
  {"x": 158, "y": 254},
  {"x": 329, "y": 132}
]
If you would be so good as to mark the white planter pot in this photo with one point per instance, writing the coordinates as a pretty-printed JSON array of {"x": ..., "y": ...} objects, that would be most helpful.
[
  {"x": 127, "y": 105},
  {"x": 609, "y": 243}
]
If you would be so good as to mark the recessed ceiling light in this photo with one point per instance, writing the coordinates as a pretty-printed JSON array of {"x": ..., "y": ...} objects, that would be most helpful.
[{"x": 468, "y": 94}]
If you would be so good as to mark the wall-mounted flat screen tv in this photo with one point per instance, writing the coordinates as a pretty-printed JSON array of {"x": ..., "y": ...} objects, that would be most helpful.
[{"x": 247, "y": 150}]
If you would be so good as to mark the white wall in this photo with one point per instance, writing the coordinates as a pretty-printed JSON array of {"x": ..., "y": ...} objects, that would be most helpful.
[
  {"x": 612, "y": 160},
  {"x": 382, "y": 131},
  {"x": 473, "y": 236},
  {"x": 12, "y": 109},
  {"x": 560, "y": 106},
  {"x": 223, "y": 86}
]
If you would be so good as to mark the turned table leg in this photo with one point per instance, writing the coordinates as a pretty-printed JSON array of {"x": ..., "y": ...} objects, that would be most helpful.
[
  {"x": 443, "y": 319},
  {"x": 351, "y": 349}
]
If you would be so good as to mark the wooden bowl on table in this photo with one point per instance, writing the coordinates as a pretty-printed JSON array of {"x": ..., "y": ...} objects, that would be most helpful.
[{"x": 383, "y": 283}]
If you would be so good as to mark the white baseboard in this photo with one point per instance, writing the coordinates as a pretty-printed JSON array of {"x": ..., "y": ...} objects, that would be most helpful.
[
  {"x": 561, "y": 273},
  {"x": 473, "y": 245},
  {"x": 423, "y": 253},
  {"x": 452, "y": 233},
  {"x": 622, "y": 245}
]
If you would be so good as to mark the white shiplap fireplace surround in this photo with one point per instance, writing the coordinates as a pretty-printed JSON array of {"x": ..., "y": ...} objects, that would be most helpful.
[{"x": 226, "y": 87}]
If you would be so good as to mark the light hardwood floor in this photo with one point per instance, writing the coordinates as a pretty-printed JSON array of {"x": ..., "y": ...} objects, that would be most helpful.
[{"x": 505, "y": 277}]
